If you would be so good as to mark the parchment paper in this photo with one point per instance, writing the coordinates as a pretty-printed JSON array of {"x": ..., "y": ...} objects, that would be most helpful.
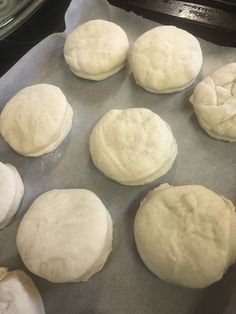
[{"x": 124, "y": 286}]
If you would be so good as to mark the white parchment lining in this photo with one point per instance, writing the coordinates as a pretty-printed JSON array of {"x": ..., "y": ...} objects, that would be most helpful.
[{"x": 124, "y": 286}]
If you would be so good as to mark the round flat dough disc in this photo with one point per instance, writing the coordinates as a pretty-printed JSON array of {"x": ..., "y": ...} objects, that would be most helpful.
[
  {"x": 186, "y": 234},
  {"x": 65, "y": 236},
  {"x": 165, "y": 59},
  {"x": 11, "y": 193},
  {"x": 18, "y": 294},
  {"x": 214, "y": 102},
  {"x": 96, "y": 49},
  {"x": 132, "y": 146},
  {"x": 36, "y": 120}
]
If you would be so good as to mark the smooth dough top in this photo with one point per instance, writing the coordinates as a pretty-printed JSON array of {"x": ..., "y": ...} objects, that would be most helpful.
[
  {"x": 165, "y": 59},
  {"x": 132, "y": 146},
  {"x": 96, "y": 48},
  {"x": 36, "y": 119},
  {"x": 214, "y": 102},
  {"x": 186, "y": 234},
  {"x": 64, "y": 234},
  {"x": 18, "y": 294}
]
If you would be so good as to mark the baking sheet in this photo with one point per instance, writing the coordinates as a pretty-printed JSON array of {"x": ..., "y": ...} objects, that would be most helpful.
[{"x": 124, "y": 286}]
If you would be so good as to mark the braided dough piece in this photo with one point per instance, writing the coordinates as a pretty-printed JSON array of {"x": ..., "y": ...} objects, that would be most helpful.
[{"x": 214, "y": 102}]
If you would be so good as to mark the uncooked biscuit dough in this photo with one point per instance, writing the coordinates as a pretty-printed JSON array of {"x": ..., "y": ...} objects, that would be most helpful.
[
  {"x": 36, "y": 120},
  {"x": 132, "y": 146},
  {"x": 65, "y": 236},
  {"x": 11, "y": 193},
  {"x": 18, "y": 294},
  {"x": 214, "y": 102},
  {"x": 165, "y": 59},
  {"x": 186, "y": 234},
  {"x": 96, "y": 49}
]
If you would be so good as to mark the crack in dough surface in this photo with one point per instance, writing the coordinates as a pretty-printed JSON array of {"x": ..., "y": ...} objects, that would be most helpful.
[{"x": 186, "y": 234}]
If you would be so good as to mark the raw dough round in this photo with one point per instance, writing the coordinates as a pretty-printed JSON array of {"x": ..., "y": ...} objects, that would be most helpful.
[
  {"x": 214, "y": 102},
  {"x": 36, "y": 120},
  {"x": 18, "y": 294},
  {"x": 132, "y": 146},
  {"x": 186, "y": 234},
  {"x": 11, "y": 193},
  {"x": 96, "y": 50},
  {"x": 65, "y": 236},
  {"x": 165, "y": 59}
]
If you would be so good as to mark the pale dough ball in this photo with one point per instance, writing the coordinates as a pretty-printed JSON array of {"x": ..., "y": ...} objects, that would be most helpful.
[
  {"x": 165, "y": 59},
  {"x": 65, "y": 236},
  {"x": 11, "y": 193},
  {"x": 186, "y": 235},
  {"x": 36, "y": 120},
  {"x": 214, "y": 102},
  {"x": 132, "y": 146},
  {"x": 18, "y": 294},
  {"x": 96, "y": 49}
]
